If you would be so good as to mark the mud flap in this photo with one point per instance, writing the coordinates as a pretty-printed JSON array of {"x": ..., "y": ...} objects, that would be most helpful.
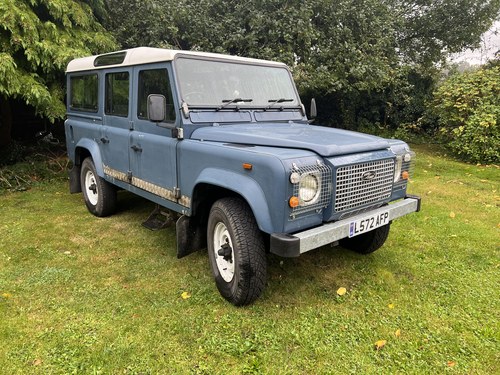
[
  {"x": 74, "y": 180},
  {"x": 190, "y": 236}
]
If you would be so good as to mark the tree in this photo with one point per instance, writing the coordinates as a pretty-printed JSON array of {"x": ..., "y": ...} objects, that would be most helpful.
[
  {"x": 37, "y": 39},
  {"x": 349, "y": 53},
  {"x": 430, "y": 30},
  {"x": 468, "y": 109}
]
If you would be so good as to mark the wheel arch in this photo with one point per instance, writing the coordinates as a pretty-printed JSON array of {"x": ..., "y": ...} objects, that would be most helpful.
[
  {"x": 192, "y": 231},
  {"x": 89, "y": 148},
  {"x": 214, "y": 184}
]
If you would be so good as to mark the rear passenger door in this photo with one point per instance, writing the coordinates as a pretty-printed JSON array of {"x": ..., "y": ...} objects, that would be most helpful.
[
  {"x": 115, "y": 136},
  {"x": 152, "y": 147}
]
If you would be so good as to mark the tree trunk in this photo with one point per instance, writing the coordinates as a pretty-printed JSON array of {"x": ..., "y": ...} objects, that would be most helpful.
[{"x": 5, "y": 122}]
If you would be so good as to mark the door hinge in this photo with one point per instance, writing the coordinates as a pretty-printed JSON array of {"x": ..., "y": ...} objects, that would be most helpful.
[
  {"x": 129, "y": 176},
  {"x": 178, "y": 133},
  {"x": 177, "y": 193},
  {"x": 131, "y": 125}
]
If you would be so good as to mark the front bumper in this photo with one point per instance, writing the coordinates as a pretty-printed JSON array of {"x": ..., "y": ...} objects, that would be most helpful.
[{"x": 292, "y": 245}]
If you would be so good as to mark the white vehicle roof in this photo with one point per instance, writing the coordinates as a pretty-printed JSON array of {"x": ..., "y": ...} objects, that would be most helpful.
[{"x": 148, "y": 55}]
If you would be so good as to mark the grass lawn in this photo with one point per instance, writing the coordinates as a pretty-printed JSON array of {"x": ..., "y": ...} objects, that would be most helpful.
[{"x": 79, "y": 294}]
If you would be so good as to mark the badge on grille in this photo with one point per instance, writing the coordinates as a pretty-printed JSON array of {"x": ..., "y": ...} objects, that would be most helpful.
[{"x": 368, "y": 175}]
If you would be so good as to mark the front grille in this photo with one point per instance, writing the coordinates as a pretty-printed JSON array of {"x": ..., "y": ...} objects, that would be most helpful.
[{"x": 355, "y": 188}]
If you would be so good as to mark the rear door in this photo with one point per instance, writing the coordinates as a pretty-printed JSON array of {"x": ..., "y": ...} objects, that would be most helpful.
[{"x": 153, "y": 148}]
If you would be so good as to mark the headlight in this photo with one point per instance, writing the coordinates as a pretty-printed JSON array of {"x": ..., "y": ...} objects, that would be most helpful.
[
  {"x": 309, "y": 188},
  {"x": 403, "y": 164}
]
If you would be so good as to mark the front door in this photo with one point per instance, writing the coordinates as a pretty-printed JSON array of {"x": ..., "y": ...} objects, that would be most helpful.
[{"x": 152, "y": 148}]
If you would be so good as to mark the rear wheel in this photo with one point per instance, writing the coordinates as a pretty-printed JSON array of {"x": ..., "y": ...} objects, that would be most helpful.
[
  {"x": 368, "y": 242},
  {"x": 236, "y": 251},
  {"x": 99, "y": 195}
]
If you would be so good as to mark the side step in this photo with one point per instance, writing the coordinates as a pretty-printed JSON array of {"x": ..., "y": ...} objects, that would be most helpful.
[{"x": 158, "y": 219}]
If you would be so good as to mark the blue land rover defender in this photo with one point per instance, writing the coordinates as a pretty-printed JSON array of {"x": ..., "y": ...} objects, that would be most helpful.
[{"x": 223, "y": 143}]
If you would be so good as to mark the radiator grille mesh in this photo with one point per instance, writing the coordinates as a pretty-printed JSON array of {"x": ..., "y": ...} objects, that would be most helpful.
[{"x": 355, "y": 188}]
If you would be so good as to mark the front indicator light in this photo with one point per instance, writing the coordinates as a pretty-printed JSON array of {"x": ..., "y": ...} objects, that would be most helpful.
[
  {"x": 405, "y": 175},
  {"x": 294, "y": 202}
]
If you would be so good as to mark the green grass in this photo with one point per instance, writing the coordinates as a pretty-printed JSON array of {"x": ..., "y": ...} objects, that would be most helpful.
[{"x": 79, "y": 294}]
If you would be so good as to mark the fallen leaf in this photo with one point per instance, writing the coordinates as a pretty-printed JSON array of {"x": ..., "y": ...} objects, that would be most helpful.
[
  {"x": 397, "y": 333},
  {"x": 390, "y": 305},
  {"x": 451, "y": 363},
  {"x": 380, "y": 344},
  {"x": 452, "y": 215},
  {"x": 185, "y": 295},
  {"x": 67, "y": 252},
  {"x": 37, "y": 362},
  {"x": 6, "y": 295},
  {"x": 341, "y": 291}
]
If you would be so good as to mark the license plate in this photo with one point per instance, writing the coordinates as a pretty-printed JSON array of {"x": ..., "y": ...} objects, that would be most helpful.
[{"x": 367, "y": 224}]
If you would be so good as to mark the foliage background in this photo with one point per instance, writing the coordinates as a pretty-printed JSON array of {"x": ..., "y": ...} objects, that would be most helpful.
[
  {"x": 37, "y": 39},
  {"x": 370, "y": 64},
  {"x": 468, "y": 110}
]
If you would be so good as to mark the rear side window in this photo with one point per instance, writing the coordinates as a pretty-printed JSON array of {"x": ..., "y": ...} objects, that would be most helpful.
[
  {"x": 117, "y": 90},
  {"x": 84, "y": 93},
  {"x": 154, "y": 81}
]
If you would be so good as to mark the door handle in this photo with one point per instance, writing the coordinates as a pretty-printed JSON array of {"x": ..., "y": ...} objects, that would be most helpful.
[
  {"x": 104, "y": 140},
  {"x": 136, "y": 148}
]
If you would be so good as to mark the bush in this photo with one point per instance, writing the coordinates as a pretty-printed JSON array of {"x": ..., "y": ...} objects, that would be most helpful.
[{"x": 468, "y": 109}]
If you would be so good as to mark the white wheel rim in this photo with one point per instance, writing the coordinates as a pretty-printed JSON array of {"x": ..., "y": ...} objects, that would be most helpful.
[
  {"x": 91, "y": 188},
  {"x": 222, "y": 237}
]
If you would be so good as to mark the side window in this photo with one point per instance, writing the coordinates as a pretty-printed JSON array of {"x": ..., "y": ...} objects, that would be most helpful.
[
  {"x": 154, "y": 81},
  {"x": 83, "y": 93},
  {"x": 117, "y": 87}
]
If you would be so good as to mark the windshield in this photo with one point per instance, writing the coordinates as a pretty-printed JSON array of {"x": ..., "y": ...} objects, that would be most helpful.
[{"x": 221, "y": 84}]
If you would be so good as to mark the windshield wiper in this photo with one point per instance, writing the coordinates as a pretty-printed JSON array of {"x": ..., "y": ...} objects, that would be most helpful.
[
  {"x": 276, "y": 101},
  {"x": 231, "y": 101}
]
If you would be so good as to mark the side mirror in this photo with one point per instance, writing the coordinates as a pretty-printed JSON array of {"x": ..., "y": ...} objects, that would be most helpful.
[
  {"x": 313, "y": 111},
  {"x": 156, "y": 107}
]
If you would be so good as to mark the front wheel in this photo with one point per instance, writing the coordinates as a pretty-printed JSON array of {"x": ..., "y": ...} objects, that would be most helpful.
[
  {"x": 236, "y": 251},
  {"x": 99, "y": 195},
  {"x": 368, "y": 242}
]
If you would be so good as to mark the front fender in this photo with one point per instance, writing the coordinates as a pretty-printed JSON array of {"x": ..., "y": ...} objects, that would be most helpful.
[
  {"x": 244, "y": 186},
  {"x": 93, "y": 148}
]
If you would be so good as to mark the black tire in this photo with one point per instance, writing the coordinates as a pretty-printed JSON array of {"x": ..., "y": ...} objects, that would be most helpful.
[
  {"x": 239, "y": 261},
  {"x": 99, "y": 195},
  {"x": 368, "y": 242}
]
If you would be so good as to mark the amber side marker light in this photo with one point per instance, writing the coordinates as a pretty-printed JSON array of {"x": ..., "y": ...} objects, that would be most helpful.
[
  {"x": 405, "y": 175},
  {"x": 247, "y": 166},
  {"x": 293, "y": 202}
]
